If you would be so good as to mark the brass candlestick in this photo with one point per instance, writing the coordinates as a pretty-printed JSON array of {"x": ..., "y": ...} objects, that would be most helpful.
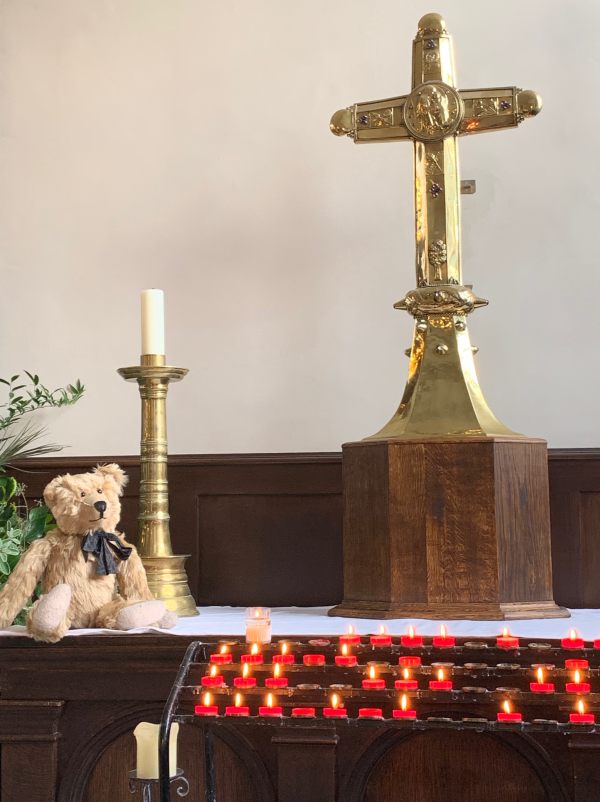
[{"x": 166, "y": 574}]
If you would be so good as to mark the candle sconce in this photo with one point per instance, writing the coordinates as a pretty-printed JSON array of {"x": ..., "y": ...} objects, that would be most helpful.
[
  {"x": 166, "y": 574},
  {"x": 145, "y": 784}
]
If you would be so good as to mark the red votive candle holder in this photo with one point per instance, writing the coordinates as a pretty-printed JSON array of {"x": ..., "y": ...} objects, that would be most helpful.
[
  {"x": 210, "y": 681},
  {"x": 440, "y": 684},
  {"x": 347, "y": 660},
  {"x": 234, "y": 710},
  {"x": 276, "y": 682},
  {"x": 406, "y": 714},
  {"x": 577, "y": 664},
  {"x": 284, "y": 659},
  {"x": 221, "y": 659},
  {"x": 351, "y": 639},
  {"x": 443, "y": 640},
  {"x": 383, "y": 639},
  {"x": 253, "y": 659},
  {"x": 370, "y": 712},
  {"x": 541, "y": 687},
  {"x": 411, "y": 640},
  {"x": 597, "y": 643},
  {"x": 409, "y": 661},
  {"x": 335, "y": 712},
  {"x": 577, "y": 687},
  {"x": 206, "y": 710},
  {"x": 303, "y": 712},
  {"x": 573, "y": 641},
  {"x": 274, "y": 712},
  {"x": 509, "y": 718},
  {"x": 244, "y": 682},
  {"x": 314, "y": 659},
  {"x": 406, "y": 684},
  {"x": 373, "y": 684},
  {"x": 506, "y": 641},
  {"x": 582, "y": 718}
]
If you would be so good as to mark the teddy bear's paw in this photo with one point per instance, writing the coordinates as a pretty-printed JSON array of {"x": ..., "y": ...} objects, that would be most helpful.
[
  {"x": 140, "y": 614},
  {"x": 168, "y": 620},
  {"x": 48, "y": 620}
]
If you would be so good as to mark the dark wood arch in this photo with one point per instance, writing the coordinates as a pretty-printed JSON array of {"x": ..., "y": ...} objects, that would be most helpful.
[{"x": 546, "y": 784}]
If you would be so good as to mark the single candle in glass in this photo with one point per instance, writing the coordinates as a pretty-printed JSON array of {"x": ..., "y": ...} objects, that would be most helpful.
[
  {"x": 212, "y": 679},
  {"x": 345, "y": 659},
  {"x": 507, "y": 641},
  {"x": 351, "y": 638},
  {"x": 507, "y": 715},
  {"x": 237, "y": 709},
  {"x": 404, "y": 712},
  {"x": 577, "y": 686},
  {"x": 573, "y": 641},
  {"x": 411, "y": 639},
  {"x": 373, "y": 683},
  {"x": 276, "y": 681},
  {"x": 258, "y": 625},
  {"x": 581, "y": 717},
  {"x": 443, "y": 640},
  {"x": 541, "y": 686},
  {"x": 407, "y": 683},
  {"x": 245, "y": 681},
  {"x": 441, "y": 683},
  {"x": 153, "y": 322},
  {"x": 335, "y": 711},
  {"x": 383, "y": 638},
  {"x": 206, "y": 708},
  {"x": 270, "y": 709}
]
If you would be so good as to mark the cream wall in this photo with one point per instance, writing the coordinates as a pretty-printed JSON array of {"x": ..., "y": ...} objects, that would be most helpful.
[{"x": 184, "y": 144}]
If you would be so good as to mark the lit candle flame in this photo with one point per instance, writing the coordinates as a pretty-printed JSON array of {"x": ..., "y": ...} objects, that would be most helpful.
[
  {"x": 506, "y": 706},
  {"x": 206, "y": 699},
  {"x": 411, "y": 631},
  {"x": 245, "y": 670},
  {"x": 580, "y": 707},
  {"x": 573, "y": 634},
  {"x": 269, "y": 700},
  {"x": 238, "y": 700},
  {"x": 382, "y": 629},
  {"x": 443, "y": 630},
  {"x": 577, "y": 677},
  {"x": 350, "y": 629},
  {"x": 257, "y": 612},
  {"x": 406, "y": 673},
  {"x": 223, "y": 649},
  {"x": 372, "y": 674},
  {"x": 254, "y": 648},
  {"x": 335, "y": 701},
  {"x": 505, "y": 632},
  {"x": 440, "y": 674},
  {"x": 403, "y": 702},
  {"x": 345, "y": 649},
  {"x": 213, "y": 671},
  {"x": 540, "y": 675},
  {"x": 284, "y": 648},
  {"x": 276, "y": 670}
]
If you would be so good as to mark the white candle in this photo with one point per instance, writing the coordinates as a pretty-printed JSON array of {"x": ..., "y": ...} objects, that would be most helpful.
[
  {"x": 146, "y": 736},
  {"x": 258, "y": 625},
  {"x": 153, "y": 322}
]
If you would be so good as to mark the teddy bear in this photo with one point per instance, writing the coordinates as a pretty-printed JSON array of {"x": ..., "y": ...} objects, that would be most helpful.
[{"x": 90, "y": 575}]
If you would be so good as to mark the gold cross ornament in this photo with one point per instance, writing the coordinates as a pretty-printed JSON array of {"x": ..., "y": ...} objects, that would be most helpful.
[{"x": 442, "y": 396}]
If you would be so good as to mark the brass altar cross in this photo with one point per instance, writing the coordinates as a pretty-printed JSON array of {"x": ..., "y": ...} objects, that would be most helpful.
[{"x": 442, "y": 396}]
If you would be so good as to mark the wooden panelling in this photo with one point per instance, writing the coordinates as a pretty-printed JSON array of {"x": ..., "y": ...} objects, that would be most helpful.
[{"x": 283, "y": 512}]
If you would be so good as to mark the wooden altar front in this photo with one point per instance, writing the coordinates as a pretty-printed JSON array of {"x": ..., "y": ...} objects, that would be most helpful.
[{"x": 67, "y": 712}]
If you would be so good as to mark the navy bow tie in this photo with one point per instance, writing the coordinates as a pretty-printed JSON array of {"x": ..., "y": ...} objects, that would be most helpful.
[{"x": 102, "y": 545}]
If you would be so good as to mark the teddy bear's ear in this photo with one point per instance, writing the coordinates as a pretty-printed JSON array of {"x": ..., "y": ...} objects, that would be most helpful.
[
  {"x": 52, "y": 488},
  {"x": 117, "y": 473}
]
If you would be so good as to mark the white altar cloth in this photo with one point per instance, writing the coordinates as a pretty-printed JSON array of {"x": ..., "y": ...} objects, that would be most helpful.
[{"x": 229, "y": 621}]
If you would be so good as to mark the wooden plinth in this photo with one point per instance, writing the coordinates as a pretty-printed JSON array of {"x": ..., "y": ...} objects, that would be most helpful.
[{"x": 447, "y": 528}]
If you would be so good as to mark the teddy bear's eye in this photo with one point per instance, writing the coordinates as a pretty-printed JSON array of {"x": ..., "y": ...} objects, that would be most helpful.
[
  {"x": 82, "y": 493},
  {"x": 100, "y": 490}
]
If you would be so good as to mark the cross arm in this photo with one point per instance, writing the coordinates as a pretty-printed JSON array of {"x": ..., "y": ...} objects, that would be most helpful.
[
  {"x": 376, "y": 121},
  {"x": 498, "y": 107}
]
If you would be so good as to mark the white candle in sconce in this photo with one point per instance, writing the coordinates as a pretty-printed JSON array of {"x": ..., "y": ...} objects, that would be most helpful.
[
  {"x": 258, "y": 625},
  {"x": 153, "y": 322},
  {"x": 146, "y": 736}
]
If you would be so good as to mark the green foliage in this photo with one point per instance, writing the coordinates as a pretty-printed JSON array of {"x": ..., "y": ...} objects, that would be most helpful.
[{"x": 19, "y": 525}]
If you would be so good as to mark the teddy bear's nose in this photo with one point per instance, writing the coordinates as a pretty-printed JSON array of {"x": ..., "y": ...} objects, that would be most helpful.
[{"x": 100, "y": 506}]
